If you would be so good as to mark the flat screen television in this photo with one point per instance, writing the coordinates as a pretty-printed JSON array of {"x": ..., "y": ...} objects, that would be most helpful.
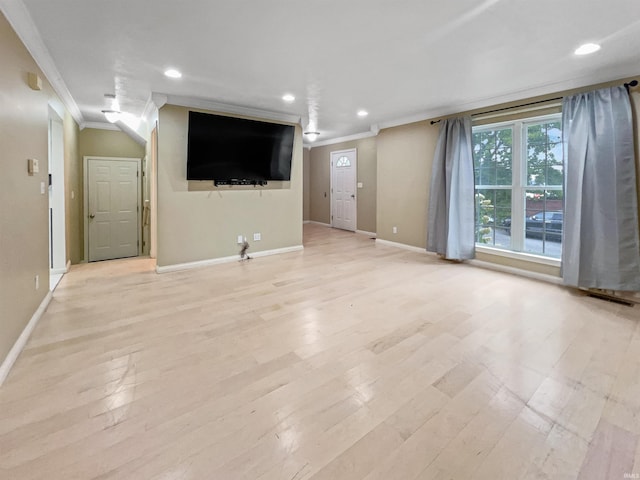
[{"x": 236, "y": 150}]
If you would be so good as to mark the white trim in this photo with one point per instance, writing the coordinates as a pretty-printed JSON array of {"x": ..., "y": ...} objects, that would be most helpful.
[
  {"x": 515, "y": 271},
  {"x": 549, "y": 89},
  {"x": 56, "y": 196},
  {"x": 85, "y": 166},
  {"x": 150, "y": 109},
  {"x": 99, "y": 126},
  {"x": 204, "y": 104},
  {"x": 357, "y": 136},
  {"x": 135, "y": 136},
  {"x": 159, "y": 99},
  {"x": 304, "y": 222},
  {"x": 20, "y": 343},
  {"x": 217, "y": 261},
  {"x": 364, "y": 232},
  {"x": 150, "y": 115},
  {"x": 61, "y": 271},
  {"x": 119, "y": 126},
  {"x": 319, "y": 223},
  {"x": 403, "y": 246},
  {"x": 527, "y": 257},
  {"x": 18, "y": 16}
]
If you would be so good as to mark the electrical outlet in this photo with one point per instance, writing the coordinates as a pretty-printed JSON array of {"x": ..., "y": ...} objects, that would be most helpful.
[
  {"x": 395, "y": 229},
  {"x": 257, "y": 237},
  {"x": 240, "y": 240},
  {"x": 37, "y": 282}
]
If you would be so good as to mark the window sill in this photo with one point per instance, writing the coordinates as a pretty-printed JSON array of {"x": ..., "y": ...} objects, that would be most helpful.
[{"x": 527, "y": 257}]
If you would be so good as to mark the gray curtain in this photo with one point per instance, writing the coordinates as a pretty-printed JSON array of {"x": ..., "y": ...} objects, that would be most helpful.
[
  {"x": 450, "y": 225},
  {"x": 600, "y": 241}
]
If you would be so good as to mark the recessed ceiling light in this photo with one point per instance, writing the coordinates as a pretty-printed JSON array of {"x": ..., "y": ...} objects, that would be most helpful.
[
  {"x": 172, "y": 73},
  {"x": 362, "y": 113},
  {"x": 288, "y": 98},
  {"x": 587, "y": 48}
]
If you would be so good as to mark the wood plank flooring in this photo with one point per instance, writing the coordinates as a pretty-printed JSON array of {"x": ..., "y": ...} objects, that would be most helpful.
[{"x": 348, "y": 360}]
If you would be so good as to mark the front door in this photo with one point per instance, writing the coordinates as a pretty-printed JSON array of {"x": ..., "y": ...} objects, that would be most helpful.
[
  {"x": 343, "y": 189},
  {"x": 112, "y": 201}
]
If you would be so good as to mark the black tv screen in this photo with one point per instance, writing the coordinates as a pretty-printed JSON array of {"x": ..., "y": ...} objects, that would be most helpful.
[{"x": 228, "y": 149}]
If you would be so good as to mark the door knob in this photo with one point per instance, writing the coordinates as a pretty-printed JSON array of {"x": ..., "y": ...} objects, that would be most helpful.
[
  {"x": 353, "y": 196},
  {"x": 91, "y": 215}
]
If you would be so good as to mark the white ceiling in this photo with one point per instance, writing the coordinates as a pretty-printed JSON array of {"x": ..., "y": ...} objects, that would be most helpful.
[{"x": 400, "y": 60}]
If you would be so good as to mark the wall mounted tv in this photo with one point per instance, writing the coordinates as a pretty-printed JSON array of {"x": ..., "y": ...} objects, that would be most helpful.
[{"x": 230, "y": 150}]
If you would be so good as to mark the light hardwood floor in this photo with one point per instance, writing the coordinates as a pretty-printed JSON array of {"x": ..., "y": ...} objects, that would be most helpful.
[{"x": 345, "y": 361}]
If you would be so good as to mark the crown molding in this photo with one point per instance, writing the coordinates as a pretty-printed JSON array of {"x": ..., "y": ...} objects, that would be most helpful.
[
  {"x": 135, "y": 136},
  {"x": 119, "y": 126},
  {"x": 20, "y": 20},
  {"x": 150, "y": 109},
  {"x": 551, "y": 88},
  {"x": 99, "y": 126},
  {"x": 356, "y": 136},
  {"x": 161, "y": 99},
  {"x": 158, "y": 99}
]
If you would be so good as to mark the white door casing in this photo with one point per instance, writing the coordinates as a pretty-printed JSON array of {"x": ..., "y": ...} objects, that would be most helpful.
[
  {"x": 57, "y": 226},
  {"x": 343, "y": 189},
  {"x": 112, "y": 207}
]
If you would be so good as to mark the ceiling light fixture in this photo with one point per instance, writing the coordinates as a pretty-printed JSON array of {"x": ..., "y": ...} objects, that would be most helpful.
[
  {"x": 587, "y": 48},
  {"x": 172, "y": 73},
  {"x": 112, "y": 115},
  {"x": 288, "y": 98},
  {"x": 362, "y": 113},
  {"x": 312, "y": 136}
]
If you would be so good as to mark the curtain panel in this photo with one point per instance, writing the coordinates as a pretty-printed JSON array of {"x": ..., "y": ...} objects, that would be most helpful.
[
  {"x": 450, "y": 223},
  {"x": 600, "y": 240}
]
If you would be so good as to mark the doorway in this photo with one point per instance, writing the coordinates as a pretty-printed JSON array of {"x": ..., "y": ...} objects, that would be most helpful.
[
  {"x": 343, "y": 189},
  {"x": 57, "y": 228},
  {"x": 112, "y": 208}
]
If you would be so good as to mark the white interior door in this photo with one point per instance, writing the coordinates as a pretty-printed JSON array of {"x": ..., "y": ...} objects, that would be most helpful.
[
  {"x": 112, "y": 208},
  {"x": 343, "y": 189}
]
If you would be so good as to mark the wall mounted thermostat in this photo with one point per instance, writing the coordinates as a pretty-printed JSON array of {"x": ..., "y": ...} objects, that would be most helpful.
[{"x": 32, "y": 166}]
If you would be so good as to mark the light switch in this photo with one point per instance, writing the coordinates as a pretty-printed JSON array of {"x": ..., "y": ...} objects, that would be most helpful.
[
  {"x": 43, "y": 188},
  {"x": 359, "y": 184},
  {"x": 32, "y": 166}
]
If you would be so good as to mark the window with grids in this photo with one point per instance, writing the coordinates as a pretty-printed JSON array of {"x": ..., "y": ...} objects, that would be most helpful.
[{"x": 518, "y": 178}]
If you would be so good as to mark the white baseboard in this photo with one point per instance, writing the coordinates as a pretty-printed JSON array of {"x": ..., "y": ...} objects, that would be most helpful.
[
  {"x": 364, "y": 232},
  {"x": 306, "y": 221},
  {"x": 319, "y": 223},
  {"x": 404, "y": 246},
  {"x": 14, "y": 353},
  {"x": 217, "y": 261}
]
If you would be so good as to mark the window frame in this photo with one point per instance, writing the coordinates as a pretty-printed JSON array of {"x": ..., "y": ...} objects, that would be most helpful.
[{"x": 519, "y": 186}]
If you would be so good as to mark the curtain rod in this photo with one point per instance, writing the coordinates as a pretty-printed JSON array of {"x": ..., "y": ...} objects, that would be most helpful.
[{"x": 632, "y": 83}]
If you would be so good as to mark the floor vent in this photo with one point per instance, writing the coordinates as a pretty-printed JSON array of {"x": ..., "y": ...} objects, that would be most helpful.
[{"x": 610, "y": 298}]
